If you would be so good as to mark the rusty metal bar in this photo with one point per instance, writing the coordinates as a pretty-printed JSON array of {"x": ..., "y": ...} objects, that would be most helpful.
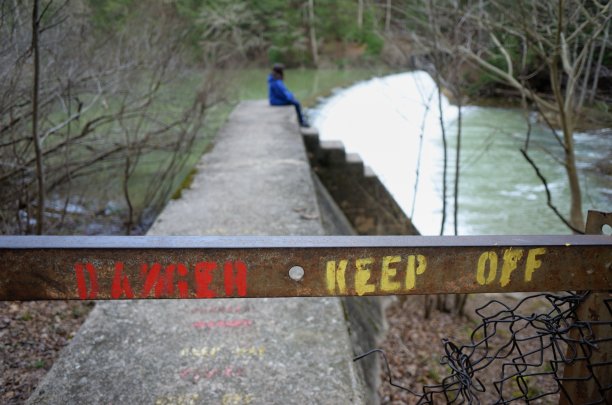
[{"x": 48, "y": 267}]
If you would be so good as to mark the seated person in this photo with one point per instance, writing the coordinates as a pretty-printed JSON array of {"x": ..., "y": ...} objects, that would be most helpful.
[{"x": 278, "y": 94}]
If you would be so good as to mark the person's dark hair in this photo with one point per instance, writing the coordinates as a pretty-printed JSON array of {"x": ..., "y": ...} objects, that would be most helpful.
[{"x": 277, "y": 71}]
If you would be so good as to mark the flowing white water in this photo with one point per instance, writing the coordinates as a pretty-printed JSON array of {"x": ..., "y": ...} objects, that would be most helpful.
[{"x": 393, "y": 123}]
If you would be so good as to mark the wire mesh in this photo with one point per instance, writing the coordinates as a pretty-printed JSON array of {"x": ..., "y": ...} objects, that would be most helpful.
[{"x": 523, "y": 347}]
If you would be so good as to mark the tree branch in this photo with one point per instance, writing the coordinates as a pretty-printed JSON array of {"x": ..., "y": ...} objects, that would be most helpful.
[{"x": 548, "y": 195}]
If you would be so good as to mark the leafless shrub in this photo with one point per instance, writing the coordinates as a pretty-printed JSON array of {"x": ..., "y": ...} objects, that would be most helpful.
[{"x": 116, "y": 112}]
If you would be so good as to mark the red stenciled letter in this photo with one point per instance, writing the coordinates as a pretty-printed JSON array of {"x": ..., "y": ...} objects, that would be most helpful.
[
  {"x": 239, "y": 280},
  {"x": 163, "y": 283},
  {"x": 182, "y": 285},
  {"x": 203, "y": 278},
  {"x": 82, "y": 284},
  {"x": 167, "y": 286},
  {"x": 121, "y": 284},
  {"x": 151, "y": 277}
]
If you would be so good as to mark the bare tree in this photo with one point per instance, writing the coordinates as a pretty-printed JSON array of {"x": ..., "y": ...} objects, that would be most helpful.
[
  {"x": 231, "y": 31},
  {"x": 559, "y": 38},
  {"x": 97, "y": 104}
]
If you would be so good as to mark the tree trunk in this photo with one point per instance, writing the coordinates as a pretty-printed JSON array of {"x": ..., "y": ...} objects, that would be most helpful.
[
  {"x": 585, "y": 81},
  {"x": 567, "y": 124},
  {"x": 437, "y": 78},
  {"x": 360, "y": 14},
  {"x": 126, "y": 191},
  {"x": 599, "y": 63},
  {"x": 40, "y": 172},
  {"x": 457, "y": 168},
  {"x": 576, "y": 215},
  {"x": 445, "y": 150},
  {"x": 388, "y": 16},
  {"x": 313, "y": 35}
]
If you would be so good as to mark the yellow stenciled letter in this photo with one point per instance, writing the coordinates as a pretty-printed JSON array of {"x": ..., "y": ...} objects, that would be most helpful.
[
  {"x": 490, "y": 257},
  {"x": 532, "y": 262},
  {"x": 336, "y": 275},
  {"x": 363, "y": 275},
  {"x": 411, "y": 271},
  {"x": 388, "y": 273},
  {"x": 511, "y": 258}
]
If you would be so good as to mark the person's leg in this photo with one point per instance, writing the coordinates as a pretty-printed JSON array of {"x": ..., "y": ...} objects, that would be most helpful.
[{"x": 298, "y": 111}]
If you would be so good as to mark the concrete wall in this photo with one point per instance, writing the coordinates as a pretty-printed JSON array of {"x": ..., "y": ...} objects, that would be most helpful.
[
  {"x": 364, "y": 315},
  {"x": 361, "y": 196}
]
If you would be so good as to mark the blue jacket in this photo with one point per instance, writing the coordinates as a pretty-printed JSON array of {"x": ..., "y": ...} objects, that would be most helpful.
[{"x": 278, "y": 94}]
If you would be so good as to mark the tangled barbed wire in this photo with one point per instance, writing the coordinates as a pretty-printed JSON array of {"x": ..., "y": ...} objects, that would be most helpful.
[{"x": 524, "y": 346}]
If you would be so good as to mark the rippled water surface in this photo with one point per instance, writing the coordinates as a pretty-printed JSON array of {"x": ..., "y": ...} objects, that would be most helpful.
[{"x": 393, "y": 123}]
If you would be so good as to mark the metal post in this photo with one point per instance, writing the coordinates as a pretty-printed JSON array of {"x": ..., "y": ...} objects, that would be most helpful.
[{"x": 588, "y": 377}]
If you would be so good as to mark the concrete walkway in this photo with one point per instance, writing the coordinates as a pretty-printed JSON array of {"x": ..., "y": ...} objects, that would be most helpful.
[{"x": 256, "y": 181}]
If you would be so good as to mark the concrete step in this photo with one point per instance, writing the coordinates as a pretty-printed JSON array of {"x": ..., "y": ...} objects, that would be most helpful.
[
  {"x": 354, "y": 164},
  {"x": 363, "y": 198},
  {"x": 332, "y": 153}
]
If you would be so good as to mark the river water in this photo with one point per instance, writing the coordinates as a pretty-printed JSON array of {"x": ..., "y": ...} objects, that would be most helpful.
[{"x": 393, "y": 122}]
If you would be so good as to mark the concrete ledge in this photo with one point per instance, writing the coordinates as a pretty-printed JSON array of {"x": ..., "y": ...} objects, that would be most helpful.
[{"x": 256, "y": 181}]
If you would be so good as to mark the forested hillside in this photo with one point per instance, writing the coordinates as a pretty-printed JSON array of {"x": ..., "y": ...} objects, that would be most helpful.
[{"x": 297, "y": 32}]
